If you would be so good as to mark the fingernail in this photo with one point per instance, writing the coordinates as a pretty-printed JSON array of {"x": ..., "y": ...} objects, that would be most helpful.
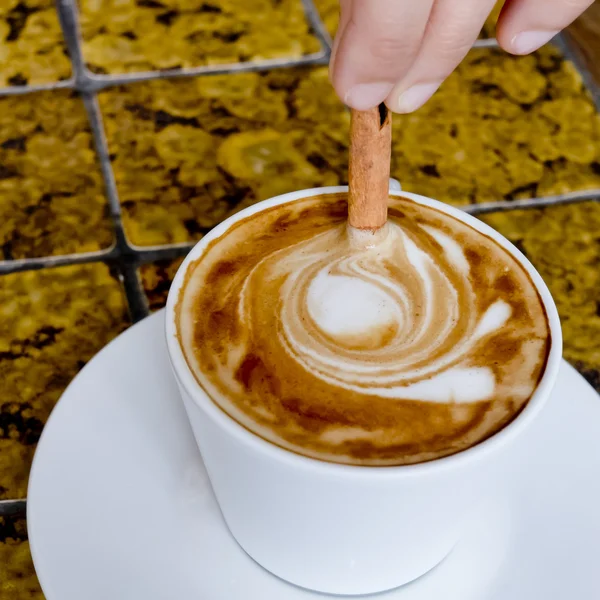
[
  {"x": 367, "y": 95},
  {"x": 414, "y": 97},
  {"x": 528, "y": 41}
]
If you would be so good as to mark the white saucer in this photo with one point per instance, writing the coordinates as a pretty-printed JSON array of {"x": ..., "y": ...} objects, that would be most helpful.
[{"x": 120, "y": 506}]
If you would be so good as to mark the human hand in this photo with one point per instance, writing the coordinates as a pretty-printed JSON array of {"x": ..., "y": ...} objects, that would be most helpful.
[{"x": 400, "y": 51}]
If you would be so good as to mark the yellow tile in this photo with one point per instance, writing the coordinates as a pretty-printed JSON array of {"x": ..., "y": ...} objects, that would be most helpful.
[
  {"x": 563, "y": 242},
  {"x": 156, "y": 279},
  {"x": 501, "y": 127},
  {"x": 16, "y": 456},
  {"x": 51, "y": 323},
  {"x": 32, "y": 50},
  {"x": 190, "y": 152},
  {"x": 51, "y": 192},
  {"x": 329, "y": 11},
  {"x": 18, "y": 580},
  {"x": 127, "y": 36}
]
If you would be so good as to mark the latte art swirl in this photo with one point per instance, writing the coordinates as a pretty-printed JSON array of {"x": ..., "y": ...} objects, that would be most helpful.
[
  {"x": 390, "y": 321},
  {"x": 417, "y": 347}
]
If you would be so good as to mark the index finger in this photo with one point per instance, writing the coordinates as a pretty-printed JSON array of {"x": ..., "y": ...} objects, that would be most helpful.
[{"x": 377, "y": 47}]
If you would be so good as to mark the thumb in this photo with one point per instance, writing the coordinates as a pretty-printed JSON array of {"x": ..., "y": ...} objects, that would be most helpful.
[{"x": 375, "y": 46}]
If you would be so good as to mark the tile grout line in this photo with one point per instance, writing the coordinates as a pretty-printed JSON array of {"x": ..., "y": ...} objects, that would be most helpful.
[
  {"x": 48, "y": 262},
  {"x": 142, "y": 255},
  {"x": 122, "y": 255},
  {"x": 68, "y": 16},
  {"x": 136, "y": 296},
  {"x": 90, "y": 101},
  {"x": 13, "y": 508},
  {"x": 525, "y": 203},
  {"x": 153, "y": 253},
  {"x": 100, "y": 82},
  {"x": 21, "y": 90},
  {"x": 313, "y": 16}
]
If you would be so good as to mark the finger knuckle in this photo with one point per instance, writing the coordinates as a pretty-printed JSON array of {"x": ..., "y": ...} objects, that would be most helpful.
[
  {"x": 452, "y": 41},
  {"x": 389, "y": 48}
]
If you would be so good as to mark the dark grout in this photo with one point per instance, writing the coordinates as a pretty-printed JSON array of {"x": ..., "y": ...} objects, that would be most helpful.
[
  {"x": 68, "y": 15},
  {"x": 20, "y": 90},
  {"x": 314, "y": 18},
  {"x": 94, "y": 114},
  {"x": 545, "y": 202},
  {"x": 136, "y": 296},
  {"x": 100, "y": 82},
  {"x": 125, "y": 256},
  {"x": 13, "y": 508},
  {"x": 49, "y": 262}
]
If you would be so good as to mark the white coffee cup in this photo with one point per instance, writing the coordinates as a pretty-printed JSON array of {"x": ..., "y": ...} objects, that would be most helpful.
[{"x": 335, "y": 528}]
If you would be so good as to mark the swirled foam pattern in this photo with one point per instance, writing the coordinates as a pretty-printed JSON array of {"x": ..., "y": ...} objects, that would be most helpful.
[{"x": 398, "y": 352}]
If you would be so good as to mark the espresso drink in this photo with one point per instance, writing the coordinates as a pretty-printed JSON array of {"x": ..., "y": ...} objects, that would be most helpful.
[{"x": 403, "y": 351}]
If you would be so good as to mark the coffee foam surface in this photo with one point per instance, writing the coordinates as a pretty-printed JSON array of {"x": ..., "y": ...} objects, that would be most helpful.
[{"x": 412, "y": 348}]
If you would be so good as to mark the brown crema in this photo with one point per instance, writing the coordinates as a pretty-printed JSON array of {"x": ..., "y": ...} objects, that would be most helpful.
[{"x": 415, "y": 348}]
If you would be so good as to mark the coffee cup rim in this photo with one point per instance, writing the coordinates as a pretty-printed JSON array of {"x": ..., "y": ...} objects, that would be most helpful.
[{"x": 492, "y": 444}]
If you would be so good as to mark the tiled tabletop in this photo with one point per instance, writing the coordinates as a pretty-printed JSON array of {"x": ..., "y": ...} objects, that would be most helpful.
[
  {"x": 51, "y": 191},
  {"x": 177, "y": 117},
  {"x": 128, "y": 36}
]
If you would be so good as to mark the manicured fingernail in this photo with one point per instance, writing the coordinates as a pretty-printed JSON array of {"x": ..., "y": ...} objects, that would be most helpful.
[
  {"x": 367, "y": 95},
  {"x": 528, "y": 41},
  {"x": 414, "y": 97}
]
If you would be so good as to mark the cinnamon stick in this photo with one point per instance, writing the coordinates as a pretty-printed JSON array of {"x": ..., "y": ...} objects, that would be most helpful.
[{"x": 369, "y": 176}]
